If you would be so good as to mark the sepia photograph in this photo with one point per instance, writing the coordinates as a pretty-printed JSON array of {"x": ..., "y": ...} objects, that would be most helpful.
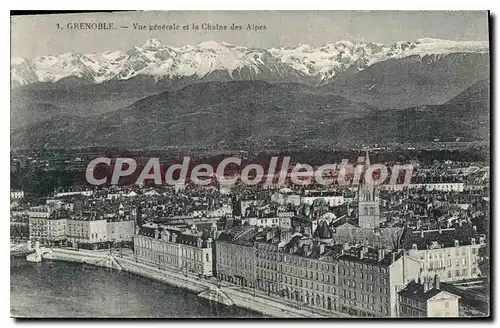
[{"x": 250, "y": 165}]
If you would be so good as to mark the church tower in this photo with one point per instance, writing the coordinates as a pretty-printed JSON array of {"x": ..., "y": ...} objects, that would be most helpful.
[{"x": 368, "y": 202}]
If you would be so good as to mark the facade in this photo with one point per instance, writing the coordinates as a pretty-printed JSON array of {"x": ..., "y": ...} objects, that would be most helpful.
[
  {"x": 38, "y": 221},
  {"x": 445, "y": 187},
  {"x": 43, "y": 211},
  {"x": 87, "y": 229},
  {"x": 17, "y": 194},
  {"x": 336, "y": 200},
  {"x": 38, "y": 227},
  {"x": 425, "y": 300},
  {"x": 170, "y": 249},
  {"x": 86, "y": 193},
  {"x": 57, "y": 226},
  {"x": 370, "y": 278},
  {"x": 235, "y": 263},
  {"x": 452, "y": 254},
  {"x": 120, "y": 230},
  {"x": 360, "y": 281}
]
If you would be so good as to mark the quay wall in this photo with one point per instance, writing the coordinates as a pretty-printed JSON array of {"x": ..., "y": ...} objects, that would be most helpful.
[{"x": 241, "y": 298}]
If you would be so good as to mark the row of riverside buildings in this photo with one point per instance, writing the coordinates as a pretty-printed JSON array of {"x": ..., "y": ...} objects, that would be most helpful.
[
  {"x": 57, "y": 224},
  {"x": 355, "y": 279}
]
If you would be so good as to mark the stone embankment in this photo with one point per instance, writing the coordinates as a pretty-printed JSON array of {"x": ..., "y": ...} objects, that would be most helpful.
[{"x": 229, "y": 294}]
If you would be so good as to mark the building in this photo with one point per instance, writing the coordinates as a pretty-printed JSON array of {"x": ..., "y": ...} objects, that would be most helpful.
[
  {"x": 331, "y": 198},
  {"x": 444, "y": 187},
  {"x": 235, "y": 256},
  {"x": 16, "y": 194},
  {"x": 67, "y": 193},
  {"x": 120, "y": 229},
  {"x": 427, "y": 300},
  {"x": 354, "y": 280},
  {"x": 269, "y": 221},
  {"x": 369, "y": 280},
  {"x": 87, "y": 230},
  {"x": 42, "y": 211},
  {"x": 57, "y": 226},
  {"x": 38, "y": 221},
  {"x": 172, "y": 249},
  {"x": 451, "y": 253}
]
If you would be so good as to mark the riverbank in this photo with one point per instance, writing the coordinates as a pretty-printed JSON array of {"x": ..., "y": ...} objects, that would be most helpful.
[
  {"x": 240, "y": 297},
  {"x": 20, "y": 249}
]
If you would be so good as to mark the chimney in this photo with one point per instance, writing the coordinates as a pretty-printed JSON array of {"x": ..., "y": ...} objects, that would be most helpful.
[
  {"x": 436, "y": 282},
  {"x": 474, "y": 227},
  {"x": 321, "y": 248},
  {"x": 422, "y": 233},
  {"x": 157, "y": 233},
  {"x": 393, "y": 257},
  {"x": 457, "y": 243},
  {"x": 174, "y": 237},
  {"x": 426, "y": 284},
  {"x": 414, "y": 246},
  {"x": 306, "y": 249},
  {"x": 345, "y": 246},
  {"x": 440, "y": 230}
]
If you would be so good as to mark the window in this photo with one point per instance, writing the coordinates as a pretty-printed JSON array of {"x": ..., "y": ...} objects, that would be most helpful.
[{"x": 447, "y": 304}]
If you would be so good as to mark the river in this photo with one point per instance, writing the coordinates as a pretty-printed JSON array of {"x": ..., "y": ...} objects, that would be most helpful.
[{"x": 63, "y": 289}]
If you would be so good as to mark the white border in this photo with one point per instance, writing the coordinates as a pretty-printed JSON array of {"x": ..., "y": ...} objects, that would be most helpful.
[{"x": 200, "y": 5}]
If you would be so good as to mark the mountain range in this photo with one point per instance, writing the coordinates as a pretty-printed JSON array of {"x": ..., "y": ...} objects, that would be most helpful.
[
  {"x": 218, "y": 94},
  {"x": 304, "y": 63}
]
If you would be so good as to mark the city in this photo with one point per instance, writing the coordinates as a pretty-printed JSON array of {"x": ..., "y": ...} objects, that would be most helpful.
[
  {"x": 416, "y": 250},
  {"x": 251, "y": 164}
]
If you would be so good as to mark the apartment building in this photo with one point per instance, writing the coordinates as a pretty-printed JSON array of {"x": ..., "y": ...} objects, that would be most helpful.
[
  {"x": 120, "y": 229},
  {"x": 451, "y": 253},
  {"x": 355, "y": 280},
  {"x": 88, "y": 229},
  {"x": 38, "y": 221},
  {"x": 235, "y": 256},
  {"x": 173, "y": 249}
]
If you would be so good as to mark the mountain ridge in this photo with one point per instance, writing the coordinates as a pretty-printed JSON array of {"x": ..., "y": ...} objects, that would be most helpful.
[
  {"x": 303, "y": 63},
  {"x": 260, "y": 114}
]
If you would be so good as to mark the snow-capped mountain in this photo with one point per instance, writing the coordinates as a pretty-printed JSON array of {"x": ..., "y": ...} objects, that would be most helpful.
[{"x": 314, "y": 65}]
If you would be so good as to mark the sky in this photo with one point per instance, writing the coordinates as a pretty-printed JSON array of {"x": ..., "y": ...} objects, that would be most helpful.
[{"x": 38, "y": 35}]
